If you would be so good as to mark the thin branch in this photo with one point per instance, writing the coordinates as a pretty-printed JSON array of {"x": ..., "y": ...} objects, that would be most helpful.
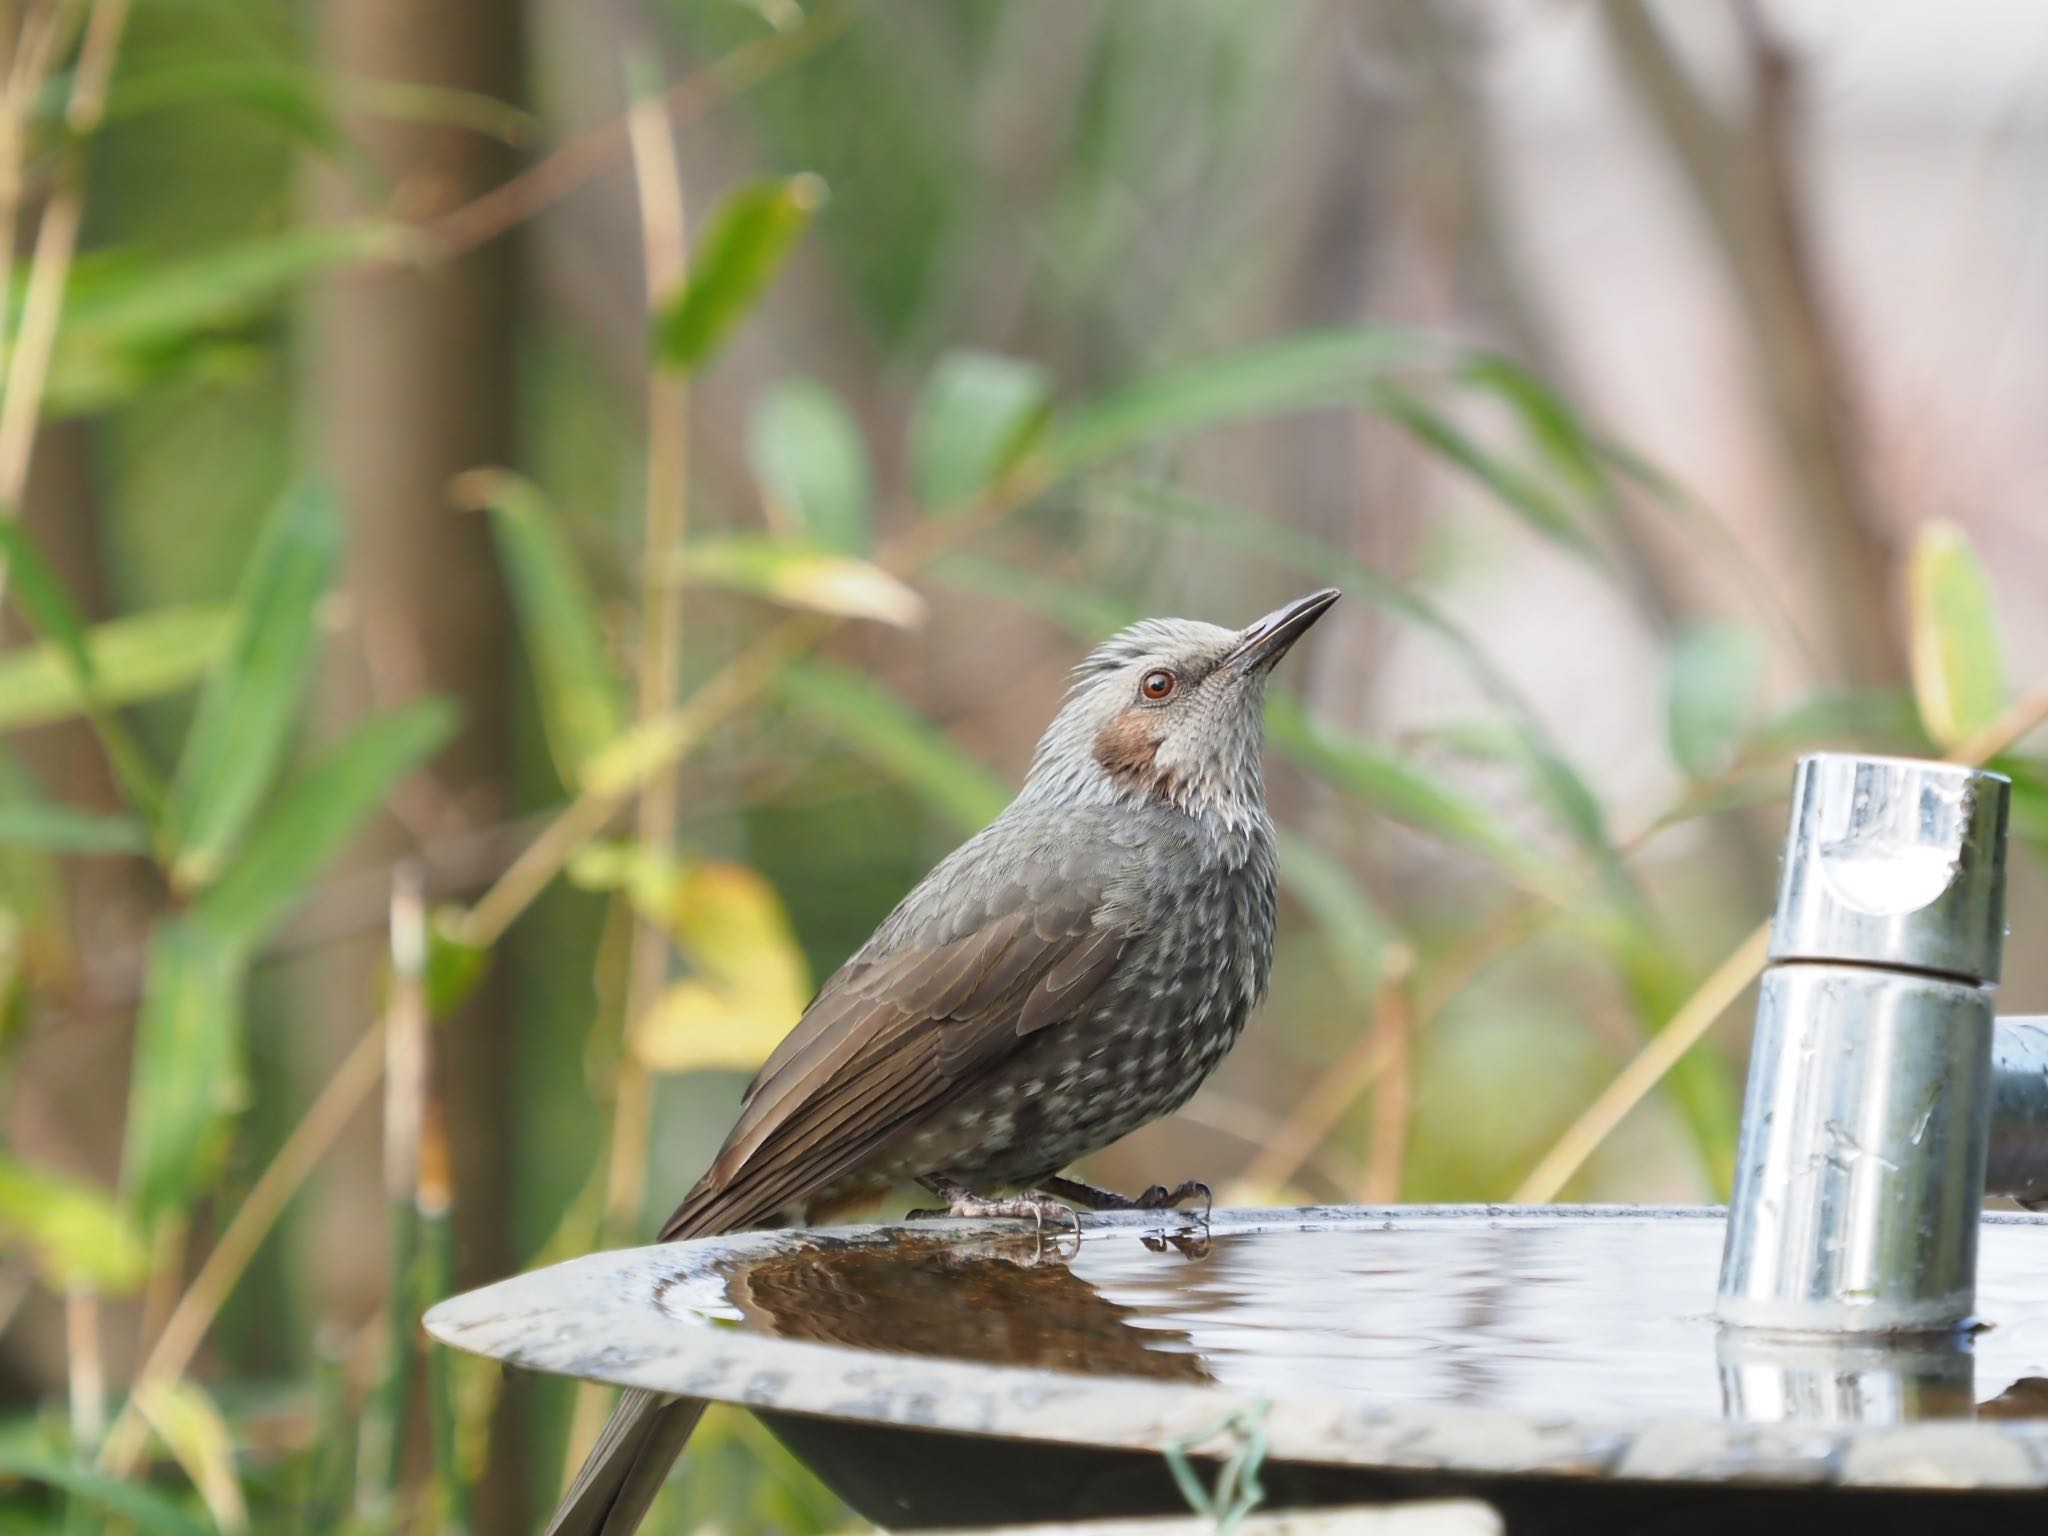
[
  {"x": 665, "y": 255},
  {"x": 56, "y": 240},
  {"x": 548, "y": 181},
  {"x": 301, "y": 1153}
]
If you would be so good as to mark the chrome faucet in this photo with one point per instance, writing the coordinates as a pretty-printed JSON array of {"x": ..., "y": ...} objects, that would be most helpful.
[{"x": 1884, "y": 1099}]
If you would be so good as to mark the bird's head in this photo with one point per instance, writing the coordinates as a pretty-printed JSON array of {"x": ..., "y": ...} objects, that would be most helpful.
[{"x": 1171, "y": 709}]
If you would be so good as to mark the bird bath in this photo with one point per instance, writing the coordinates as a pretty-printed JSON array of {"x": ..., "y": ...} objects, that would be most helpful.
[
  {"x": 1562, "y": 1362},
  {"x": 1874, "y": 1347}
]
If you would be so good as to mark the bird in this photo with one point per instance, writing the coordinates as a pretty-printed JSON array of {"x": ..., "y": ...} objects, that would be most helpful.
[{"x": 1073, "y": 971}]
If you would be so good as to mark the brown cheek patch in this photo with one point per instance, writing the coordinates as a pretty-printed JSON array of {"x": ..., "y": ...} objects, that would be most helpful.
[{"x": 1128, "y": 748}]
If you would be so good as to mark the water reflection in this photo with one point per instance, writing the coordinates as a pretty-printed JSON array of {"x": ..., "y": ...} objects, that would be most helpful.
[{"x": 1606, "y": 1318}]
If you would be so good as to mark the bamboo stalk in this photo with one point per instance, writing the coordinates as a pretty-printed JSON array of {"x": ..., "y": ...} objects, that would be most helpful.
[
  {"x": 665, "y": 257},
  {"x": 381, "y": 1458}
]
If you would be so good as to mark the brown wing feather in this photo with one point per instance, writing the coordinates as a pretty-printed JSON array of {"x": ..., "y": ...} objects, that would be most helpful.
[{"x": 888, "y": 1040}]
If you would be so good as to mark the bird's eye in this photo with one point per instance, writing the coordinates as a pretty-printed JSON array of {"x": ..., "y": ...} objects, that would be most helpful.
[{"x": 1158, "y": 685}]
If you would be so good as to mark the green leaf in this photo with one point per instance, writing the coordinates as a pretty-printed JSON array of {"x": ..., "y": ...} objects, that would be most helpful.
[
  {"x": 66, "y": 829},
  {"x": 141, "y": 657},
  {"x": 1402, "y": 792},
  {"x": 1086, "y": 614},
  {"x": 1511, "y": 485},
  {"x": 1572, "y": 451},
  {"x": 1355, "y": 932},
  {"x": 150, "y": 1512},
  {"x": 42, "y": 597},
  {"x": 582, "y": 708},
  {"x": 188, "y": 1068},
  {"x": 1958, "y": 670},
  {"x": 50, "y": 609},
  {"x": 751, "y": 234},
  {"x": 79, "y": 1236},
  {"x": 1715, "y": 670},
  {"x": 878, "y": 726},
  {"x": 291, "y": 99},
  {"x": 317, "y": 816},
  {"x": 812, "y": 466},
  {"x": 1879, "y": 719},
  {"x": 128, "y": 316},
  {"x": 800, "y": 576},
  {"x": 978, "y": 417},
  {"x": 250, "y": 700},
  {"x": 454, "y": 967},
  {"x": 1310, "y": 371}
]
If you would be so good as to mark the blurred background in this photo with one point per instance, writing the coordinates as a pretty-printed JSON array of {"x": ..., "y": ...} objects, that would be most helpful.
[{"x": 530, "y": 523}]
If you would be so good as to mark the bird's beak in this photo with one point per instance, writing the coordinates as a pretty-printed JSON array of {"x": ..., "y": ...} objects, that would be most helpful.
[{"x": 1266, "y": 641}]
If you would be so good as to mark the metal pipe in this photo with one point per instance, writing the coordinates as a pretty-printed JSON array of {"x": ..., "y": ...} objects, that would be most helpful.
[
  {"x": 2018, "y": 1161},
  {"x": 1866, "y": 1122}
]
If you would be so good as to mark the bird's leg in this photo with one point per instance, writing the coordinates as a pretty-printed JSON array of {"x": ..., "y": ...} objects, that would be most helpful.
[
  {"x": 962, "y": 1201},
  {"x": 1157, "y": 1198}
]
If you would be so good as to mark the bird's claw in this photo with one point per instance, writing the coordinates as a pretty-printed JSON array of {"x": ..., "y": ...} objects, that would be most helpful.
[
  {"x": 1031, "y": 1205},
  {"x": 1160, "y": 1198}
]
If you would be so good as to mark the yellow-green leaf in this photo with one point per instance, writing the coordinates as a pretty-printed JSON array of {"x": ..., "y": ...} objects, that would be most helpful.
[
  {"x": 196, "y": 1435},
  {"x": 141, "y": 657},
  {"x": 77, "y": 1234},
  {"x": 751, "y": 234},
  {"x": 801, "y": 576},
  {"x": 1958, "y": 670},
  {"x": 748, "y": 982}
]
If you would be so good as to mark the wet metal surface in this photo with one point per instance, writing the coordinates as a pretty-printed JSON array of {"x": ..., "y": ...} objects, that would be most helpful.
[{"x": 1503, "y": 1340}]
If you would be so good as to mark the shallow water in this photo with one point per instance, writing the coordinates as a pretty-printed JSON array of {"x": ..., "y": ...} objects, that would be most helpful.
[{"x": 1593, "y": 1318}]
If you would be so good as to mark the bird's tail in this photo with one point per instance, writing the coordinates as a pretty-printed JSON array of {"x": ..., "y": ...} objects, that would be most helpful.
[
  {"x": 624, "y": 1470},
  {"x": 647, "y": 1430}
]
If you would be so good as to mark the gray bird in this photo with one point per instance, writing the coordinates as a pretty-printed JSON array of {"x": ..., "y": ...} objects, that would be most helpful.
[{"x": 1070, "y": 973}]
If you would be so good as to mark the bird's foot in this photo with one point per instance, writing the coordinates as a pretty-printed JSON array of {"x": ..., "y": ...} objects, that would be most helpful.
[
  {"x": 1032, "y": 1205},
  {"x": 1157, "y": 1198}
]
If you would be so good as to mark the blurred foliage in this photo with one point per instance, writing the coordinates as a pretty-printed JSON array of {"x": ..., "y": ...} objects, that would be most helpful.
[{"x": 1053, "y": 476}]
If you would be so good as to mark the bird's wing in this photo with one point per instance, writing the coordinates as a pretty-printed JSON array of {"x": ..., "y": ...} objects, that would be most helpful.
[{"x": 894, "y": 1034}]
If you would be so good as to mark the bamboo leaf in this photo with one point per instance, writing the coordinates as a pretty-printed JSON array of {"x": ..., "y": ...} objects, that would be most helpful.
[
  {"x": 1356, "y": 934},
  {"x": 42, "y": 597},
  {"x": 1551, "y": 424},
  {"x": 316, "y": 816},
  {"x": 748, "y": 981},
  {"x": 127, "y": 317},
  {"x": 141, "y": 657},
  {"x": 187, "y": 1071},
  {"x": 898, "y": 741},
  {"x": 1958, "y": 670},
  {"x": 977, "y": 418},
  {"x": 812, "y": 466},
  {"x": 149, "y": 1511},
  {"x": 750, "y": 236},
  {"x": 1402, "y": 792},
  {"x": 1715, "y": 669},
  {"x": 195, "y": 1434},
  {"x": 1310, "y": 371},
  {"x": 66, "y": 829},
  {"x": 250, "y": 700},
  {"x": 582, "y": 707},
  {"x": 1511, "y": 485},
  {"x": 80, "y": 1238},
  {"x": 800, "y": 576},
  {"x": 50, "y": 609},
  {"x": 454, "y": 967}
]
